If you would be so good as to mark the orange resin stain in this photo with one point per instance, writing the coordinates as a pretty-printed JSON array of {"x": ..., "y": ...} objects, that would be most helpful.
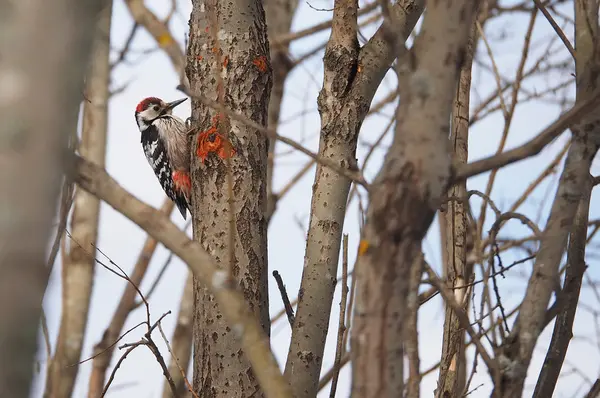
[
  {"x": 261, "y": 63},
  {"x": 212, "y": 141}
]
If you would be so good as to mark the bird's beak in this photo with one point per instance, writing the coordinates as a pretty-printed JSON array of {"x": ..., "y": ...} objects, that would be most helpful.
[{"x": 173, "y": 104}]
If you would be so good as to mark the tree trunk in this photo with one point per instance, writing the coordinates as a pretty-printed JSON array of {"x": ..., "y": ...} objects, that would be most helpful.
[
  {"x": 235, "y": 70},
  {"x": 404, "y": 198},
  {"x": 452, "y": 376},
  {"x": 343, "y": 104},
  {"x": 519, "y": 346},
  {"x": 279, "y": 15},
  {"x": 39, "y": 103},
  {"x": 78, "y": 267}
]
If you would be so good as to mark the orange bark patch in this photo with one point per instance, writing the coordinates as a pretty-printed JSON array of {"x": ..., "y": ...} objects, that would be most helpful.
[
  {"x": 182, "y": 181},
  {"x": 261, "y": 63},
  {"x": 363, "y": 246},
  {"x": 226, "y": 61},
  {"x": 212, "y": 141}
]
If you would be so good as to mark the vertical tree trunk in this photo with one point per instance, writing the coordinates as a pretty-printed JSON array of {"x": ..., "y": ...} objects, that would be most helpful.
[
  {"x": 78, "y": 267},
  {"x": 530, "y": 323},
  {"x": 39, "y": 103},
  {"x": 343, "y": 103},
  {"x": 451, "y": 379},
  {"x": 404, "y": 198},
  {"x": 279, "y": 15},
  {"x": 234, "y": 69}
]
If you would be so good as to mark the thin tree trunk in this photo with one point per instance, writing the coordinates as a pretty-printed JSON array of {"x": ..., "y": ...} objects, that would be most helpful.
[
  {"x": 343, "y": 104},
  {"x": 78, "y": 267},
  {"x": 568, "y": 300},
  {"x": 404, "y": 198},
  {"x": 452, "y": 376},
  {"x": 233, "y": 68},
  {"x": 44, "y": 81},
  {"x": 279, "y": 14},
  {"x": 519, "y": 346}
]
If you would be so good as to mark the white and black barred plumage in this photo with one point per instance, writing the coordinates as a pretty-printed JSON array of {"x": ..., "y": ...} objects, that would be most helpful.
[{"x": 165, "y": 144}]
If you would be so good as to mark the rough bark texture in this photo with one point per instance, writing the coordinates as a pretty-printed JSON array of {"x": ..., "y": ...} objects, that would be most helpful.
[
  {"x": 181, "y": 343},
  {"x": 233, "y": 304},
  {"x": 405, "y": 196},
  {"x": 280, "y": 14},
  {"x": 45, "y": 81},
  {"x": 451, "y": 379},
  {"x": 240, "y": 56},
  {"x": 516, "y": 353},
  {"x": 78, "y": 266},
  {"x": 352, "y": 75}
]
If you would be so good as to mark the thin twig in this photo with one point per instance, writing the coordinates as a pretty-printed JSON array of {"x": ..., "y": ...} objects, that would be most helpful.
[
  {"x": 339, "y": 349},
  {"x": 534, "y": 146},
  {"x": 185, "y": 379},
  {"x": 114, "y": 371},
  {"x": 235, "y": 309},
  {"x": 556, "y": 28},
  {"x": 463, "y": 318},
  {"x": 284, "y": 297},
  {"x": 272, "y": 134}
]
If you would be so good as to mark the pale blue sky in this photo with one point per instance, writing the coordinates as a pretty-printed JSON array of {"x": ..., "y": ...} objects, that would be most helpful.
[{"x": 140, "y": 375}]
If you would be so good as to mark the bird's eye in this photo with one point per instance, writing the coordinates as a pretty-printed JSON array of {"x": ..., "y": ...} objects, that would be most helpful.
[{"x": 155, "y": 108}]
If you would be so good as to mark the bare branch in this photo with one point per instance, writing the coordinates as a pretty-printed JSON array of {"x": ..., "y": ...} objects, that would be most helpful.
[
  {"x": 351, "y": 78},
  {"x": 78, "y": 268},
  {"x": 405, "y": 196},
  {"x": 555, "y": 26},
  {"x": 351, "y": 174},
  {"x": 182, "y": 343},
  {"x": 535, "y": 146},
  {"x": 569, "y": 298},
  {"x": 160, "y": 32},
  {"x": 518, "y": 348},
  {"x": 339, "y": 349},
  {"x": 232, "y": 303},
  {"x": 289, "y": 311},
  {"x": 125, "y": 306}
]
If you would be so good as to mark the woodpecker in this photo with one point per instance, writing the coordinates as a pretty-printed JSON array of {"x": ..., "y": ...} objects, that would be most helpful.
[{"x": 167, "y": 148}]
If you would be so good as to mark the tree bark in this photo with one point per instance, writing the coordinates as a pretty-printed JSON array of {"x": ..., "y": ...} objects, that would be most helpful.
[
  {"x": 231, "y": 66},
  {"x": 452, "y": 376},
  {"x": 568, "y": 300},
  {"x": 517, "y": 350},
  {"x": 233, "y": 304},
  {"x": 78, "y": 267},
  {"x": 44, "y": 81},
  {"x": 279, "y": 14},
  {"x": 404, "y": 198},
  {"x": 352, "y": 76}
]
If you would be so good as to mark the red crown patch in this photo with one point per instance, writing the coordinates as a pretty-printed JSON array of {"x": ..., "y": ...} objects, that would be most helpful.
[{"x": 146, "y": 102}]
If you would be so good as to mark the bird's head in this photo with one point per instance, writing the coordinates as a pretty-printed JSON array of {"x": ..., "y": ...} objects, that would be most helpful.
[{"x": 151, "y": 108}]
